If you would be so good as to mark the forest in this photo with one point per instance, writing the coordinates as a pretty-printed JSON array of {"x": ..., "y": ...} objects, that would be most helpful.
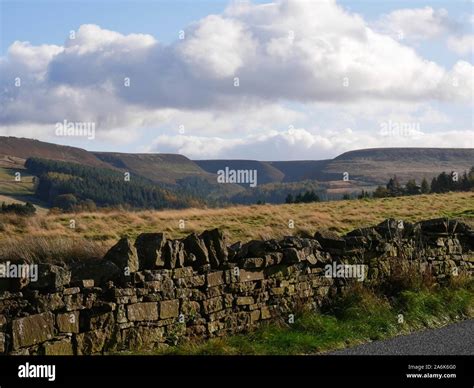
[{"x": 70, "y": 186}]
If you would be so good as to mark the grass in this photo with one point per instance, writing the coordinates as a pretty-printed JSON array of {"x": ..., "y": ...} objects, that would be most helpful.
[
  {"x": 239, "y": 223},
  {"x": 50, "y": 234},
  {"x": 51, "y": 250},
  {"x": 12, "y": 191},
  {"x": 8, "y": 185},
  {"x": 358, "y": 317},
  {"x": 365, "y": 316}
]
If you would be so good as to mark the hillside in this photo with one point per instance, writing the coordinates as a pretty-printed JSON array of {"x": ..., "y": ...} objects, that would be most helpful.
[
  {"x": 367, "y": 167},
  {"x": 14, "y": 150},
  {"x": 300, "y": 170},
  {"x": 163, "y": 169},
  {"x": 371, "y": 166},
  {"x": 266, "y": 173},
  {"x": 379, "y": 164},
  {"x": 12, "y": 191},
  {"x": 160, "y": 168},
  {"x": 104, "y": 187}
]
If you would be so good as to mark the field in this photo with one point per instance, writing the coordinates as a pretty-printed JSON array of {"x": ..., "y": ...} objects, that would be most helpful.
[
  {"x": 8, "y": 185},
  {"x": 97, "y": 231},
  {"x": 366, "y": 315},
  {"x": 12, "y": 191}
]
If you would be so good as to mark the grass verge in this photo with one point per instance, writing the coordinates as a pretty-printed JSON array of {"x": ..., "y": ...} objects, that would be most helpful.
[{"x": 357, "y": 317}]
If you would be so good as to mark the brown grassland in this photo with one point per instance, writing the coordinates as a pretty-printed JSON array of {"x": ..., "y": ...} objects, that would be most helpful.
[{"x": 46, "y": 235}]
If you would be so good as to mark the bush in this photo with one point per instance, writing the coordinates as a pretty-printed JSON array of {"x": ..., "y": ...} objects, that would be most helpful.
[
  {"x": 66, "y": 202},
  {"x": 306, "y": 197},
  {"x": 405, "y": 276},
  {"x": 356, "y": 302},
  {"x": 15, "y": 208}
]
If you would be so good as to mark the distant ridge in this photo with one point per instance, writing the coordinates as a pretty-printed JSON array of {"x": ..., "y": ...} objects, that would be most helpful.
[
  {"x": 267, "y": 173},
  {"x": 371, "y": 166},
  {"x": 160, "y": 168},
  {"x": 24, "y": 148},
  {"x": 378, "y": 164},
  {"x": 365, "y": 167},
  {"x": 414, "y": 153}
]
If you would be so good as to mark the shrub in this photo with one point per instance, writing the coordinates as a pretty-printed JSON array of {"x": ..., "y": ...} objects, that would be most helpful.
[
  {"x": 405, "y": 276},
  {"x": 15, "y": 208},
  {"x": 66, "y": 202}
]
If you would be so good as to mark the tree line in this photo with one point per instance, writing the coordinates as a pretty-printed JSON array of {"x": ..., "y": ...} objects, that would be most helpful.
[
  {"x": 443, "y": 183},
  {"x": 306, "y": 197},
  {"x": 70, "y": 186},
  {"x": 276, "y": 192},
  {"x": 26, "y": 209}
]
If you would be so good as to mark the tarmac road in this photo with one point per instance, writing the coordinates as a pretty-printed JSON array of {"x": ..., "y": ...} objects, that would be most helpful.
[{"x": 454, "y": 339}]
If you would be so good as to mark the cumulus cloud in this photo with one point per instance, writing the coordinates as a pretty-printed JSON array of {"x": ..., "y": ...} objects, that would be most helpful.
[
  {"x": 459, "y": 82},
  {"x": 416, "y": 23},
  {"x": 301, "y": 144},
  {"x": 217, "y": 47},
  {"x": 239, "y": 120},
  {"x": 462, "y": 45},
  {"x": 30, "y": 60},
  {"x": 282, "y": 53}
]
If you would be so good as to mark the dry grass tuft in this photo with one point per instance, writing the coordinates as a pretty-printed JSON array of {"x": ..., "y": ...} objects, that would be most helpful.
[
  {"x": 50, "y": 250},
  {"x": 95, "y": 231}
]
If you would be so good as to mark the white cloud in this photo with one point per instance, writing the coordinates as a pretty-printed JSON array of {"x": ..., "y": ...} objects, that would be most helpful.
[
  {"x": 92, "y": 38},
  {"x": 240, "y": 120},
  {"x": 31, "y": 60},
  {"x": 217, "y": 47},
  {"x": 284, "y": 53},
  {"x": 301, "y": 144},
  {"x": 458, "y": 83},
  {"x": 416, "y": 23},
  {"x": 462, "y": 45}
]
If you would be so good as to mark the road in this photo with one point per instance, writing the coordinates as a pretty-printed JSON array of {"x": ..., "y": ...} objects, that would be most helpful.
[{"x": 454, "y": 339}]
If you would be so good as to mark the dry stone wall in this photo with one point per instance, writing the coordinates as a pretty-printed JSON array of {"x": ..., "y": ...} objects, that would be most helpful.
[{"x": 154, "y": 291}]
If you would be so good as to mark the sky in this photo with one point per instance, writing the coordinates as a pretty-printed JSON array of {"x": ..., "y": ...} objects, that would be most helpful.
[{"x": 283, "y": 80}]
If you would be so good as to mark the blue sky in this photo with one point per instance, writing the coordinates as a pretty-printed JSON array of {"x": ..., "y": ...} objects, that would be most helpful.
[
  {"x": 31, "y": 20},
  {"x": 159, "y": 18},
  {"x": 296, "y": 123}
]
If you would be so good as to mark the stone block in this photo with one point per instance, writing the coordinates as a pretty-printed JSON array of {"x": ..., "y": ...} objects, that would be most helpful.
[
  {"x": 145, "y": 311},
  {"x": 68, "y": 322},
  {"x": 32, "y": 330},
  {"x": 169, "y": 309}
]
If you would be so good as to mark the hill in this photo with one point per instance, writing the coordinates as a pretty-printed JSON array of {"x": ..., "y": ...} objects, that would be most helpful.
[
  {"x": 68, "y": 185},
  {"x": 15, "y": 151},
  {"x": 300, "y": 170},
  {"x": 159, "y": 168},
  {"x": 164, "y": 169},
  {"x": 367, "y": 167},
  {"x": 379, "y": 164},
  {"x": 266, "y": 173}
]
